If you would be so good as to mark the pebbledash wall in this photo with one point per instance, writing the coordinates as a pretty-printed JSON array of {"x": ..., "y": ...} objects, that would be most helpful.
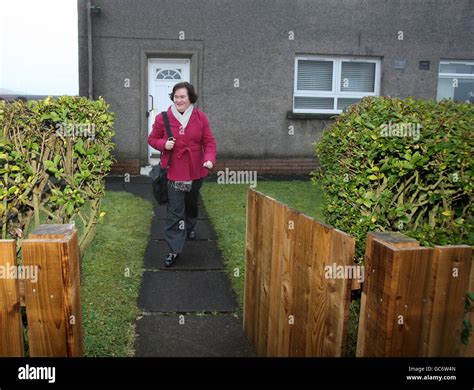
[{"x": 257, "y": 124}]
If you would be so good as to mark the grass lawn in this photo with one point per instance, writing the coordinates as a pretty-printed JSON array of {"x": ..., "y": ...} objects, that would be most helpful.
[{"x": 111, "y": 273}]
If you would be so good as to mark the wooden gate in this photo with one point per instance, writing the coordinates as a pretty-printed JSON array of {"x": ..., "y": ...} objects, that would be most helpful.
[{"x": 291, "y": 307}]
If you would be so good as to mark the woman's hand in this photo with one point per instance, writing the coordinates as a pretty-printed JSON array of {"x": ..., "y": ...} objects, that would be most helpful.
[
  {"x": 170, "y": 144},
  {"x": 208, "y": 165}
]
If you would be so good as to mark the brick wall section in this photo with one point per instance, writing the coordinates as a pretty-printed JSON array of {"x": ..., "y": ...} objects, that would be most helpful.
[
  {"x": 131, "y": 167},
  {"x": 296, "y": 166}
]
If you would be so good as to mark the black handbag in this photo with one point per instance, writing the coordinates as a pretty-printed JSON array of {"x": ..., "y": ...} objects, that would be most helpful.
[{"x": 159, "y": 173}]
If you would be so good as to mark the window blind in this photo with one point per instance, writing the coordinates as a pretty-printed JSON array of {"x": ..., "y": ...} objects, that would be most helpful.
[
  {"x": 315, "y": 75},
  {"x": 357, "y": 76}
]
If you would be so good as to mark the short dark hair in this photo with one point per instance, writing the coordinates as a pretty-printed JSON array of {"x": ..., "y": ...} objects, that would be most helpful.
[{"x": 189, "y": 87}]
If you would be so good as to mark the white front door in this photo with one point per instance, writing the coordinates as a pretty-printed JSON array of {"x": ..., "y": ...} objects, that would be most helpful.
[{"x": 163, "y": 74}]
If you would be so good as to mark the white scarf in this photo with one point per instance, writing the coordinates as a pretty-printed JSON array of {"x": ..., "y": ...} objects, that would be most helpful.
[{"x": 182, "y": 118}]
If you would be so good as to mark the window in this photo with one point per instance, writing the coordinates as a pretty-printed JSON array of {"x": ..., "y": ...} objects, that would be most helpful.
[
  {"x": 330, "y": 84},
  {"x": 456, "y": 81},
  {"x": 168, "y": 74}
]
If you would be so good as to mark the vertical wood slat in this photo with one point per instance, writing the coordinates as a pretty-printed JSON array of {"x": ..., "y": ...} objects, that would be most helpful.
[
  {"x": 411, "y": 305},
  {"x": 258, "y": 267},
  {"x": 320, "y": 258},
  {"x": 265, "y": 244},
  {"x": 53, "y": 303},
  {"x": 386, "y": 271},
  {"x": 301, "y": 283},
  {"x": 11, "y": 328},
  {"x": 363, "y": 313},
  {"x": 250, "y": 300},
  {"x": 339, "y": 295},
  {"x": 285, "y": 311},
  {"x": 280, "y": 227},
  {"x": 75, "y": 335}
]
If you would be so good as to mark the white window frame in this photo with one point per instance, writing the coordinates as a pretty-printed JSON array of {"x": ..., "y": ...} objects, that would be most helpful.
[
  {"x": 453, "y": 76},
  {"x": 336, "y": 92}
]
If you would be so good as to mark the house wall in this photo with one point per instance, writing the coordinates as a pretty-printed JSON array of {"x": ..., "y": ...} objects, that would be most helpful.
[{"x": 249, "y": 40}]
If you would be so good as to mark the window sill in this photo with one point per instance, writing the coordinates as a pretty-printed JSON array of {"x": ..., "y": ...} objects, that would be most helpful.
[{"x": 292, "y": 115}]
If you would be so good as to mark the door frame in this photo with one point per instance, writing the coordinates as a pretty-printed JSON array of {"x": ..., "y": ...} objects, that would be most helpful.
[{"x": 195, "y": 72}]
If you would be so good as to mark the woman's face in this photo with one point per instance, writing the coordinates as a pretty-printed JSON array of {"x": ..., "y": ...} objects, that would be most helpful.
[{"x": 181, "y": 99}]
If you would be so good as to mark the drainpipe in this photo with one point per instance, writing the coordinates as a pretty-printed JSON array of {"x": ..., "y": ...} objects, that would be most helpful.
[{"x": 89, "y": 47}]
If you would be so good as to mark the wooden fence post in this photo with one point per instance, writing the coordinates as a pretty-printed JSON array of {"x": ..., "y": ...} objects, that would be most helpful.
[
  {"x": 53, "y": 302},
  {"x": 413, "y": 297}
]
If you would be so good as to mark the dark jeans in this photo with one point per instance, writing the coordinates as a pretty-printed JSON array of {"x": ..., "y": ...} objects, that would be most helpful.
[{"x": 181, "y": 216}]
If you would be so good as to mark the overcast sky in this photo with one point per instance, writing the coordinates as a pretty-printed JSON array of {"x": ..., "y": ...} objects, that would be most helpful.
[{"x": 38, "y": 47}]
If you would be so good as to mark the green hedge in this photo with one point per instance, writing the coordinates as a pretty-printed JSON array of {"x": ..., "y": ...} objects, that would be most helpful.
[
  {"x": 400, "y": 165},
  {"x": 54, "y": 155}
]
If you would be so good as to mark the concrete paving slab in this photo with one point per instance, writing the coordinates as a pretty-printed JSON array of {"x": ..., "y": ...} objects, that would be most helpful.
[
  {"x": 191, "y": 336},
  {"x": 186, "y": 291},
  {"x": 196, "y": 255}
]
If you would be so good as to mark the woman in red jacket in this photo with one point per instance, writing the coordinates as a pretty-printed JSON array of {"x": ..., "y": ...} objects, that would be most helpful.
[{"x": 194, "y": 154}]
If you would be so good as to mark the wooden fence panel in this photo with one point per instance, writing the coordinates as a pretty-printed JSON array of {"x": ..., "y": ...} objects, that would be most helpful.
[
  {"x": 291, "y": 308},
  {"x": 412, "y": 302},
  {"x": 11, "y": 328}
]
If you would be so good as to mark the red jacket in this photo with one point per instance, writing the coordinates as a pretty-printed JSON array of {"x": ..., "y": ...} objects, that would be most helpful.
[{"x": 191, "y": 149}]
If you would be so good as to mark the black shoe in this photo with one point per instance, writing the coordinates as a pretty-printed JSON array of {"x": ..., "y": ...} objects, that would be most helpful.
[
  {"x": 170, "y": 259},
  {"x": 192, "y": 235}
]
